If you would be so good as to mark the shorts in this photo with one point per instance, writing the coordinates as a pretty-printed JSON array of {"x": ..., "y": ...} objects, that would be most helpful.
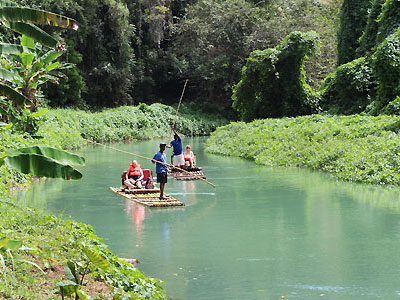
[
  {"x": 178, "y": 160},
  {"x": 162, "y": 177},
  {"x": 135, "y": 177}
]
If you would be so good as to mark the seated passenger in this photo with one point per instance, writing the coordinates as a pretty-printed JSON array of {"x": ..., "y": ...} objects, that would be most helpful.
[
  {"x": 134, "y": 176},
  {"x": 188, "y": 157}
]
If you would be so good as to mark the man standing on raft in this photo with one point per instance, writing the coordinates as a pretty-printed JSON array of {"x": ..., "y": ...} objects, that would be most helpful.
[
  {"x": 178, "y": 160},
  {"x": 161, "y": 169}
]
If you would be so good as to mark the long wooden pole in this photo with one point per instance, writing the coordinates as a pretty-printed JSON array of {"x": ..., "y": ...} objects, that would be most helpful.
[
  {"x": 144, "y": 157},
  {"x": 179, "y": 104}
]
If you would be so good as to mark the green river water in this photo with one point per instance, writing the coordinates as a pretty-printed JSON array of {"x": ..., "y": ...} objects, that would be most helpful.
[{"x": 261, "y": 234}]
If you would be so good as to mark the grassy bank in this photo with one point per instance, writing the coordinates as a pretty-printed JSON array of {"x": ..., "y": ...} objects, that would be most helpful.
[
  {"x": 65, "y": 127},
  {"x": 353, "y": 148},
  {"x": 50, "y": 241}
]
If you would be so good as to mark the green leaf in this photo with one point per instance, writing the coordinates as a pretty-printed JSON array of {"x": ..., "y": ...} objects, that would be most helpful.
[
  {"x": 3, "y": 112},
  {"x": 6, "y": 48},
  {"x": 3, "y": 242},
  {"x": 1, "y": 162},
  {"x": 12, "y": 94},
  {"x": 50, "y": 56},
  {"x": 70, "y": 272},
  {"x": 96, "y": 259},
  {"x": 81, "y": 294},
  {"x": 52, "y": 66},
  {"x": 27, "y": 41},
  {"x": 60, "y": 156},
  {"x": 7, "y": 75},
  {"x": 67, "y": 287},
  {"x": 39, "y": 165},
  {"x": 13, "y": 245},
  {"x": 27, "y": 59},
  {"x": 39, "y": 113},
  {"x": 36, "y": 16},
  {"x": 33, "y": 32}
]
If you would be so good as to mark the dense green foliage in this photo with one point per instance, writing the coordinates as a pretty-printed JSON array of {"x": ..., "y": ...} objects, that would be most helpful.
[
  {"x": 50, "y": 242},
  {"x": 353, "y": 148},
  {"x": 389, "y": 20},
  {"x": 142, "y": 51},
  {"x": 273, "y": 81},
  {"x": 368, "y": 38},
  {"x": 64, "y": 127},
  {"x": 353, "y": 81},
  {"x": 103, "y": 49},
  {"x": 215, "y": 37},
  {"x": 369, "y": 84},
  {"x": 387, "y": 68},
  {"x": 353, "y": 18}
]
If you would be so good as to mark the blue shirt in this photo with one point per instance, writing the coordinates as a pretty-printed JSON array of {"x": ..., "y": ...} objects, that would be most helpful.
[
  {"x": 177, "y": 144},
  {"x": 160, "y": 168}
]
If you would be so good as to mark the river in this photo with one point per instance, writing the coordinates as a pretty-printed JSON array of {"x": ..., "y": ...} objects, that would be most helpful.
[{"x": 261, "y": 234}]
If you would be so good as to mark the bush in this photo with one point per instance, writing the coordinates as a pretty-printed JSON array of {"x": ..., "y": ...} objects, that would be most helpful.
[
  {"x": 350, "y": 88},
  {"x": 273, "y": 81},
  {"x": 352, "y": 148},
  {"x": 387, "y": 67},
  {"x": 353, "y": 19}
]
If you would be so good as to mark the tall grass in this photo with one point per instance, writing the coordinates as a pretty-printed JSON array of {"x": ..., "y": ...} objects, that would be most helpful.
[{"x": 65, "y": 127}]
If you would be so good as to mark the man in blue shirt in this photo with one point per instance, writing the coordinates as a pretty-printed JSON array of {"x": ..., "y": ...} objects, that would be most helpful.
[
  {"x": 178, "y": 150},
  {"x": 161, "y": 169}
]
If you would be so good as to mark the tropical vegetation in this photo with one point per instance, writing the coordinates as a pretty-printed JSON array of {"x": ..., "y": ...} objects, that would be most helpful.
[{"x": 354, "y": 148}]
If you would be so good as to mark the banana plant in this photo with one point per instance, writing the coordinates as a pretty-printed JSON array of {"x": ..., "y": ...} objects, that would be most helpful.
[
  {"x": 43, "y": 161},
  {"x": 22, "y": 20},
  {"x": 28, "y": 70}
]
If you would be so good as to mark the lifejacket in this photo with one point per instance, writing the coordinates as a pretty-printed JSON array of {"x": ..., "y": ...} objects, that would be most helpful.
[{"x": 134, "y": 171}]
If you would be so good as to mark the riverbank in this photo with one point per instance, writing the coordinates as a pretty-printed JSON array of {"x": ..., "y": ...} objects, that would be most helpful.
[
  {"x": 353, "y": 148},
  {"x": 50, "y": 241}
]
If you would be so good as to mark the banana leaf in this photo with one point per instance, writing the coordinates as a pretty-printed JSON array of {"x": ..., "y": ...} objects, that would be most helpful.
[
  {"x": 63, "y": 157},
  {"x": 34, "y": 32},
  {"x": 36, "y": 16},
  {"x": 39, "y": 165},
  {"x": 7, "y": 75},
  {"x": 12, "y": 94},
  {"x": 50, "y": 56},
  {"x": 6, "y": 48}
]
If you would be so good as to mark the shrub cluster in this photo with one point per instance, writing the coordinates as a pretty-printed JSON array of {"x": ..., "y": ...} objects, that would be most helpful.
[
  {"x": 64, "y": 127},
  {"x": 50, "y": 242},
  {"x": 273, "y": 80},
  {"x": 352, "y": 148},
  {"x": 371, "y": 83}
]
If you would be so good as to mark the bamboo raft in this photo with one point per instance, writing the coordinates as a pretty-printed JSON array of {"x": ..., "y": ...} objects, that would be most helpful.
[
  {"x": 148, "y": 197},
  {"x": 191, "y": 174}
]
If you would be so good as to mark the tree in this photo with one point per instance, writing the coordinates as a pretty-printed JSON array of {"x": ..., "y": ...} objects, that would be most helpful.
[
  {"x": 368, "y": 38},
  {"x": 273, "y": 81},
  {"x": 353, "y": 19}
]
